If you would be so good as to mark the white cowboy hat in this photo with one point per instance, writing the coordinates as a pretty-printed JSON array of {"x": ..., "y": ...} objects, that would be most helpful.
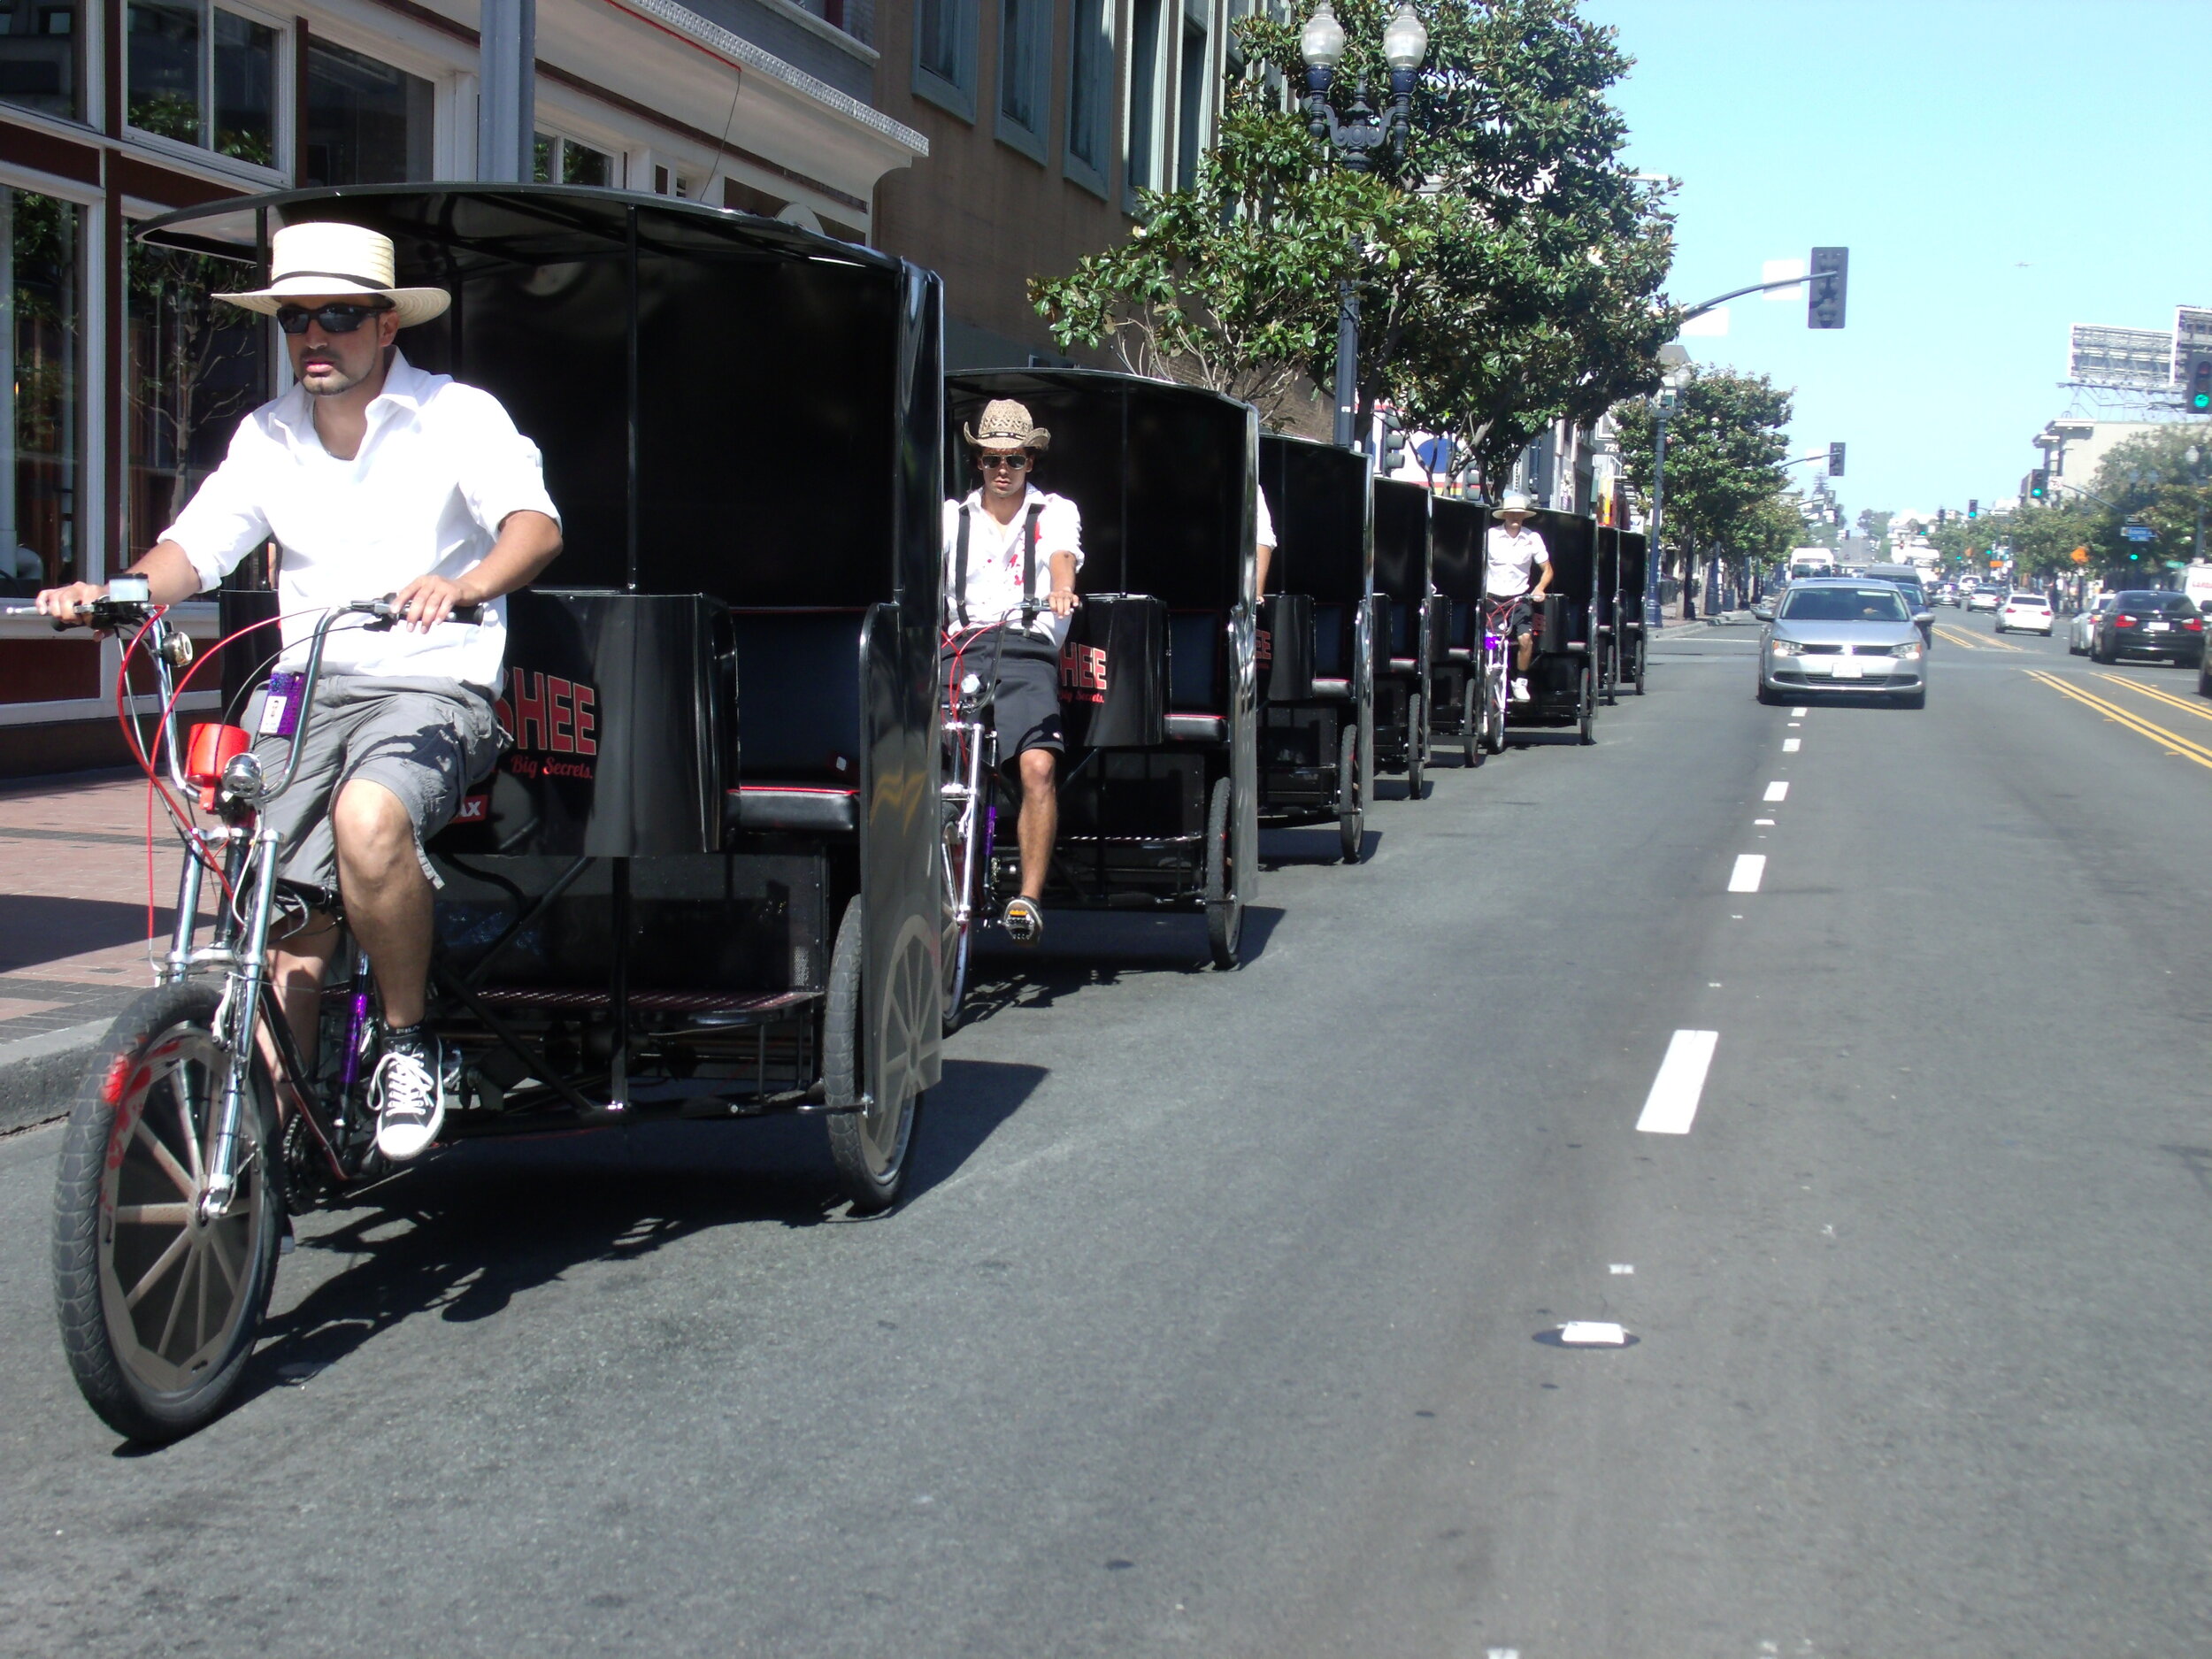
[
  {"x": 1006, "y": 425},
  {"x": 319, "y": 258},
  {"x": 1516, "y": 501}
]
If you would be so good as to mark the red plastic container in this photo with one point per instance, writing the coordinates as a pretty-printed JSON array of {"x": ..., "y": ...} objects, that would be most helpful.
[{"x": 210, "y": 750}]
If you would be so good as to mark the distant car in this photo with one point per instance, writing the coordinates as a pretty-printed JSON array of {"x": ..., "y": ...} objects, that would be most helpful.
[
  {"x": 1947, "y": 594},
  {"x": 1984, "y": 598},
  {"x": 2025, "y": 613},
  {"x": 2149, "y": 623},
  {"x": 1841, "y": 636},
  {"x": 2083, "y": 628}
]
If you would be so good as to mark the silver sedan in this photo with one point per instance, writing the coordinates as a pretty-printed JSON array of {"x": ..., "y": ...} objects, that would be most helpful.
[{"x": 1842, "y": 636}]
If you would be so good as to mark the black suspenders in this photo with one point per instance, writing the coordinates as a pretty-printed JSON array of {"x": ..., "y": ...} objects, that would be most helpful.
[{"x": 960, "y": 562}]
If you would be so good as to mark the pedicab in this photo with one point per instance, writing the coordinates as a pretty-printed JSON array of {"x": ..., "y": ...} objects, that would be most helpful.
[
  {"x": 1158, "y": 789},
  {"x": 1316, "y": 642},
  {"x": 1563, "y": 673},
  {"x": 702, "y": 882},
  {"x": 1456, "y": 709},
  {"x": 1411, "y": 625},
  {"x": 1605, "y": 610},
  {"x": 1631, "y": 630}
]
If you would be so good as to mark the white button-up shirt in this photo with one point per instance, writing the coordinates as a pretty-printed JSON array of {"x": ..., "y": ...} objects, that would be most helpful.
[
  {"x": 1510, "y": 559},
  {"x": 439, "y": 467},
  {"x": 995, "y": 558}
]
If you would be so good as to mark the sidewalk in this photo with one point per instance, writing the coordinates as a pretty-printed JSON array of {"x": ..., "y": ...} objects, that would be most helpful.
[{"x": 72, "y": 927}]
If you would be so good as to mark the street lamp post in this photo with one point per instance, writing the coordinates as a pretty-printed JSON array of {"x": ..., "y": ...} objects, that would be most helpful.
[
  {"x": 1361, "y": 140},
  {"x": 1670, "y": 383}
]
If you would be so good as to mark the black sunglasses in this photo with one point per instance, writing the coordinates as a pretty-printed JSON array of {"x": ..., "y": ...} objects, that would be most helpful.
[
  {"x": 337, "y": 319},
  {"x": 989, "y": 459}
]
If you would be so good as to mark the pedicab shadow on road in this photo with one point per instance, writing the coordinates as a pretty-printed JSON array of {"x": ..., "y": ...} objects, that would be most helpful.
[
  {"x": 487, "y": 1222},
  {"x": 1283, "y": 849},
  {"x": 1087, "y": 949}
]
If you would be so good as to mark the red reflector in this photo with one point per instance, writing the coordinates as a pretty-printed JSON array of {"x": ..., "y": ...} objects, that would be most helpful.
[
  {"x": 2194, "y": 625},
  {"x": 212, "y": 749}
]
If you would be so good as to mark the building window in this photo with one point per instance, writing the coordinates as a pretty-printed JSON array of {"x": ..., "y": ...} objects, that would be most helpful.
[
  {"x": 40, "y": 425},
  {"x": 203, "y": 77},
  {"x": 1190, "y": 109},
  {"x": 1024, "y": 45},
  {"x": 194, "y": 366},
  {"x": 367, "y": 123},
  {"x": 564, "y": 161},
  {"x": 944, "y": 54},
  {"x": 38, "y": 56},
  {"x": 1147, "y": 37},
  {"x": 1090, "y": 92}
]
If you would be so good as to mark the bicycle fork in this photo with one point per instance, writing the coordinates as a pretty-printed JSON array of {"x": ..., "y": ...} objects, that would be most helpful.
[{"x": 234, "y": 1023}]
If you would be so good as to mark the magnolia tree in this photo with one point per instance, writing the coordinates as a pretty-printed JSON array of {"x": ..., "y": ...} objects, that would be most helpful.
[{"x": 1508, "y": 268}]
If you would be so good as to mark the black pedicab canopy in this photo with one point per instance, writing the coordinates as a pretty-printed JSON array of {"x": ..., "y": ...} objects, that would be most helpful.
[{"x": 1455, "y": 533}]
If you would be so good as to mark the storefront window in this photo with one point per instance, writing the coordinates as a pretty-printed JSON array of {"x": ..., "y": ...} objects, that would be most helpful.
[
  {"x": 572, "y": 162},
  {"x": 194, "y": 366},
  {"x": 210, "y": 86},
  {"x": 367, "y": 123},
  {"x": 40, "y": 426},
  {"x": 38, "y": 56}
]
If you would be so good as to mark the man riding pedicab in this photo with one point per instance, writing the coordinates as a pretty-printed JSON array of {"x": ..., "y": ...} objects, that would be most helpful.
[
  {"x": 1512, "y": 552},
  {"x": 1012, "y": 553}
]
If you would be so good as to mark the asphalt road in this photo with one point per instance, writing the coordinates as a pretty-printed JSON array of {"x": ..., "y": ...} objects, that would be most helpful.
[{"x": 1213, "y": 1326}]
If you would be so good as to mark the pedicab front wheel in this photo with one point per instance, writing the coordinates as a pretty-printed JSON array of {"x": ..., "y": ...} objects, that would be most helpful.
[
  {"x": 870, "y": 1139},
  {"x": 1224, "y": 906}
]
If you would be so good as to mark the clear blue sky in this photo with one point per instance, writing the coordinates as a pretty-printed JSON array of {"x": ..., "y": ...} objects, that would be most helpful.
[{"x": 2000, "y": 169}]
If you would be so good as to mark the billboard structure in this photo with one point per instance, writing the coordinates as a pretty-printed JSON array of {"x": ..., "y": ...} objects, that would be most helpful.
[
  {"x": 2192, "y": 334},
  {"x": 2130, "y": 358}
]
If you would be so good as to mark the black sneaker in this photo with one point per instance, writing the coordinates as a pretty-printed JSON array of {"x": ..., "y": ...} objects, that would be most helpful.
[{"x": 407, "y": 1093}]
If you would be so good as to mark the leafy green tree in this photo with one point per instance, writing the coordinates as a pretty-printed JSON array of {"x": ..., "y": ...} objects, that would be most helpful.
[
  {"x": 1725, "y": 449},
  {"x": 2149, "y": 480}
]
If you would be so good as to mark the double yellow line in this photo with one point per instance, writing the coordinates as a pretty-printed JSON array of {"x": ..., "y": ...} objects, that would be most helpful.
[
  {"x": 2173, "y": 743},
  {"x": 1974, "y": 642}
]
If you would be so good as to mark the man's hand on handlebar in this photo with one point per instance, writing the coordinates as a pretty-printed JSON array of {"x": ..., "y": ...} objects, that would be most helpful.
[
  {"x": 429, "y": 600},
  {"x": 1062, "y": 600},
  {"x": 64, "y": 603}
]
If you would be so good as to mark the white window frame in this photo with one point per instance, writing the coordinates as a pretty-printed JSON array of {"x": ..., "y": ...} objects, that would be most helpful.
[
  {"x": 406, "y": 45},
  {"x": 1166, "y": 43},
  {"x": 206, "y": 158}
]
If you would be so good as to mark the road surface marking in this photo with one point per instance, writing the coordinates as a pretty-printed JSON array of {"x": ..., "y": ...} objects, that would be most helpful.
[
  {"x": 1593, "y": 1334},
  {"x": 1767, "y": 821},
  {"x": 1621, "y": 1267},
  {"x": 1965, "y": 640},
  {"x": 2172, "y": 742},
  {"x": 1671, "y": 1106},
  {"x": 1777, "y": 792},
  {"x": 1791, "y": 745},
  {"x": 1749, "y": 868},
  {"x": 2159, "y": 693},
  {"x": 1797, "y": 714}
]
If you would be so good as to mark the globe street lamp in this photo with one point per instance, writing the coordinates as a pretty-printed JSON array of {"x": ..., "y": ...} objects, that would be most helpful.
[
  {"x": 1675, "y": 377},
  {"x": 1361, "y": 140}
]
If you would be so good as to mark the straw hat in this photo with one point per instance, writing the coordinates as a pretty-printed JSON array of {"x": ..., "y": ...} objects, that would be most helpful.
[
  {"x": 1516, "y": 501},
  {"x": 319, "y": 259},
  {"x": 1006, "y": 425}
]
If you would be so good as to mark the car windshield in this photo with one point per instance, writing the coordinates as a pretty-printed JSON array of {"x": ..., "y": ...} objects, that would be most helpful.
[
  {"x": 2033, "y": 601},
  {"x": 2158, "y": 605},
  {"x": 1843, "y": 604}
]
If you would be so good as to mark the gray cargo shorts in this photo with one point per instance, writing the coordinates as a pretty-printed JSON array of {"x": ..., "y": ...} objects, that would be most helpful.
[{"x": 426, "y": 740}]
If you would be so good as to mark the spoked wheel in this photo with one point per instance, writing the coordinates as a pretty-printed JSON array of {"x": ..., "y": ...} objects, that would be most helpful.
[
  {"x": 1495, "y": 688},
  {"x": 1416, "y": 741},
  {"x": 160, "y": 1304},
  {"x": 1224, "y": 905},
  {"x": 870, "y": 1145},
  {"x": 1471, "y": 745},
  {"x": 1351, "y": 817},
  {"x": 963, "y": 912},
  {"x": 1640, "y": 643},
  {"x": 1589, "y": 704}
]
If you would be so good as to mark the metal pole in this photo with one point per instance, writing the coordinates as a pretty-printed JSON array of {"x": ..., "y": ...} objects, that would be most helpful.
[
  {"x": 1347, "y": 353},
  {"x": 506, "y": 93},
  {"x": 1652, "y": 553}
]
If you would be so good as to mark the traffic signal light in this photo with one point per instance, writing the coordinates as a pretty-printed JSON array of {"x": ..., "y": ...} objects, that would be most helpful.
[
  {"x": 1943, "y": 517},
  {"x": 1835, "y": 460},
  {"x": 1394, "y": 445},
  {"x": 2196, "y": 383},
  {"x": 1973, "y": 508},
  {"x": 1823, "y": 293},
  {"x": 2038, "y": 483}
]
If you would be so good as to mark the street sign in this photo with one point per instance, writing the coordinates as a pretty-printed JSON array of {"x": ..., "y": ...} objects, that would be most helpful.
[
  {"x": 2080, "y": 555},
  {"x": 2136, "y": 532}
]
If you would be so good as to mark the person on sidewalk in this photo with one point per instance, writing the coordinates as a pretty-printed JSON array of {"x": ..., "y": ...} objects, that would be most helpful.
[
  {"x": 1512, "y": 552},
  {"x": 1010, "y": 546},
  {"x": 375, "y": 479}
]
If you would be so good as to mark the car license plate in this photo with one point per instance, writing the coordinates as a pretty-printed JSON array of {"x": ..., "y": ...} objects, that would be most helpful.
[
  {"x": 1847, "y": 668},
  {"x": 2157, "y": 627}
]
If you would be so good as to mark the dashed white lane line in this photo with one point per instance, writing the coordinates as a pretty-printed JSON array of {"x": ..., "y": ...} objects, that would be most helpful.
[
  {"x": 1750, "y": 869},
  {"x": 1777, "y": 792},
  {"x": 1671, "y": 1106},
  {"x": 1797, "y": 714},
  {"x": 1791, "y": 745},
  {"x": 1767, "y": 821}
]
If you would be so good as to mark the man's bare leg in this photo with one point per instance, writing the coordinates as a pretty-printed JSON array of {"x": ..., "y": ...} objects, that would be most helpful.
[
  {"x": 388, "y": 897},
  {"x": 1040, "y": 818}
]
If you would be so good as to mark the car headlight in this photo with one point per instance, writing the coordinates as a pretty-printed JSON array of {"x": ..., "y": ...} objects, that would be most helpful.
[
  {"x": 1783, "y": 648},
  {"x": 1908, "y": 650}
]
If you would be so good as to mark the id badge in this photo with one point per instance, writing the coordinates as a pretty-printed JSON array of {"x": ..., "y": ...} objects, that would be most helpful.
[{"x": 281, "y": 712}]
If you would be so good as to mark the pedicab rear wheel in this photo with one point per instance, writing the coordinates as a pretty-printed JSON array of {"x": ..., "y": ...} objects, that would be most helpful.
[
  {"x": 1589, "y": 704},
  {"x": 1416, "y": 741},
  {"x": 1351, "y": 817},
  {"x": 1471, "y": 748},
  {"x": 158, "y": 1306},
  {"x": 1224, "y": 906},
  {"x": 870, "y": 1145}
]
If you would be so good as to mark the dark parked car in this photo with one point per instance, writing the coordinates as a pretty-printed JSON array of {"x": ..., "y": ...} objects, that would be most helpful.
[{"x": 2149, "y": 623}]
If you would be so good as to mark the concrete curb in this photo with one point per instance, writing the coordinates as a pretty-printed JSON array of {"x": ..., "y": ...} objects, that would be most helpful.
[{"x": 39, "y": 1075}]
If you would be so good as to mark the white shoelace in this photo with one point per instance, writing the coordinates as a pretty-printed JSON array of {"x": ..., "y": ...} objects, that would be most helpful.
[{"x": 404, "y": 1087}]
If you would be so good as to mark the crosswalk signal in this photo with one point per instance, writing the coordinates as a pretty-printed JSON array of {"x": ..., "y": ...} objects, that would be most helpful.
[
  {"x": 1835, "y": 460},
  {"x": 1825, "y": 293},
  {"x": 2038, "y": 483},
  {"x": 2196, "y": 383}
]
